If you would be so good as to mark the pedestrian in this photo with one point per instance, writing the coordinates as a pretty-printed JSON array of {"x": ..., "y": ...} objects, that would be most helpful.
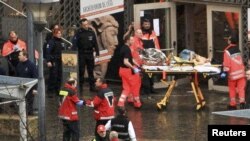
[
  {"x": 103, "y": 104},
  {"x": 122, "y": 125},
  {"x": 85, "y": 42},
  {"x": 27, "y": 69},
  {"x": 149, "y": 40},
  {"x": 68, "y": 110},
  {"x": 54, "y": 62},
  {"x": 247, "y": 92},
  {"x": 126, "y": 71},
  {"x": 102, "y": 134},
  {"x": 135, "y": 47},
  {"x": 11, "y": 49},
  {"x": 48, "y": 37},
  {"x": 234, "y": 68}
]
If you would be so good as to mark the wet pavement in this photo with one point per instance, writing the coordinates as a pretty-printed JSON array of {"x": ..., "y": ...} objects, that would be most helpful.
[{"x": 178, "y": 122}]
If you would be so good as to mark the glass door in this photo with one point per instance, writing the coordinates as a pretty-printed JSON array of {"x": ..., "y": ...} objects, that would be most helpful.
[
  {"x": 163, "y": 19},
  {"x": 222, "y": 21}
]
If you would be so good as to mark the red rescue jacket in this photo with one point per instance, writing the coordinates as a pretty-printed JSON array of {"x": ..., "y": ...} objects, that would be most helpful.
[
  {"x": 150, "y": 40},
  {"x": 233, "y": 63},
  {"x": 103, "y": 104},
  {"x": 8, "y": 47},
  {"x": 68, "y": 110},
  {"x": 135, "y": 50}
]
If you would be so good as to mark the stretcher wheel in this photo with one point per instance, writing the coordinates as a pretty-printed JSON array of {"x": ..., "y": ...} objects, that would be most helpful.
[
  {"x": 160, "y": 106},
  {"x": 198, "y": 106},
  {"x": 203, "y": 102}
]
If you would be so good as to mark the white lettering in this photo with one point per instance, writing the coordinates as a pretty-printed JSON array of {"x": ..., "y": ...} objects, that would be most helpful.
[
  {"x": 215, "y": 131},
  {"x": 231, "y": 133}
]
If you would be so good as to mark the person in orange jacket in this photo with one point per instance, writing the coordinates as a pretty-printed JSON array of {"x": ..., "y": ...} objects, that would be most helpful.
[
  {"x": 233, "y": 66},
  {"x": 11, "y": 50},
  {"x": 68, "y": 110},
  {"x": 149, "y": 40}
]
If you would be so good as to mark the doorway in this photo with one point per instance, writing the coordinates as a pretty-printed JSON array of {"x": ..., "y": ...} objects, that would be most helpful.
[
  {"x": 163, "y": 19},
  {"x": 222, "y": 21}
]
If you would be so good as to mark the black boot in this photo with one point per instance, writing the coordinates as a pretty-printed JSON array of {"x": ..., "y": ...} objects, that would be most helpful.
[
  {"x": 229, "y": 107},
  {"x": 243, "y": 106}
]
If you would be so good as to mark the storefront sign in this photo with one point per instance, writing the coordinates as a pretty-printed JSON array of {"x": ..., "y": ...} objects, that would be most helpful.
[
  {"x": 69, "y": 64},
  {"x": 97, "y": 8}
]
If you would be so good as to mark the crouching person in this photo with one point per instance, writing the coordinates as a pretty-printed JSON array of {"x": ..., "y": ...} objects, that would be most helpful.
[
  {"x": 122, "y": 125},
  {"x": 102, "y": 134},
  {"x": 68, "y": 110}
]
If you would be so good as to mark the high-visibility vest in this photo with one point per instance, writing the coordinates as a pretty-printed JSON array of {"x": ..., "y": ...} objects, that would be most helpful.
[{"x": 233, "y": 63}]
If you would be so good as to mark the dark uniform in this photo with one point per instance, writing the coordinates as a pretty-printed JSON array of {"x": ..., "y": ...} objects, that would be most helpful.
[
  {"x": 28, "y": 69},
  {"x": 85, "y": 42},
  {"x": 120, "y": 125},
  {"x": 248, "y": 94},
  {"x": 54, "y": 55}
]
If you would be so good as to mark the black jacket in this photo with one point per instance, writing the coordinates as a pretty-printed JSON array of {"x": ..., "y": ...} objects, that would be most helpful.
[
  {"x": 85, "y": 42},
  {"x": 54, "y": 49},
  {"x": 27, "y": 69}
]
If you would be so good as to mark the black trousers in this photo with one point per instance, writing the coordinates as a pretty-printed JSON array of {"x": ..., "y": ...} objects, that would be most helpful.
[
  {"x": 55, "y": 77},
  {"x": 71, "y": 131},
  {"x": 29, "y": 102},
  {"x": 87, "y": 60},
  {"x": 147, "y": 83},
  {"x": 247, "y": 93}
]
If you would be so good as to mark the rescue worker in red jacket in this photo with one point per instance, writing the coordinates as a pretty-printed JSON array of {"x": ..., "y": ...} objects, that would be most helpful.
[
  {"x": 103, "y": 104},
  {"x": 11, "y": 50},
  {"x": 149, "y": 40},
  {"x": 149, "y": 37},
  {"x": 68, "y": 110},
  {"x": 126, "y": 71},
  {"x": 235, "y": 69}
]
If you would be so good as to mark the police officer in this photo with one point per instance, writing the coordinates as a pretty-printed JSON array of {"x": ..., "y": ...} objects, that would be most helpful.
[
  {"x": 54, "y": 61},
  {"x": 68, "y": 110},
  {"x": 85, "y": 42},
  {"x": 27, "y": 69},
  {"x": 122, "y": 125}
]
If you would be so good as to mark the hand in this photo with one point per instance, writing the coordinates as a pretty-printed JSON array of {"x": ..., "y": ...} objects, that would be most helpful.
[
  {"x": 34, "y": 92},
  {"x": 136, "y": 70},
  {"x": 49, "y": 64},
  {"x": 16, "y": 48},
  {"x": 223, "y": 75},
  {"x": 88, "y": 103}
]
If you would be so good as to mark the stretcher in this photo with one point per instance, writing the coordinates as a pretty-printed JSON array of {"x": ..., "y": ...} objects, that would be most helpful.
[{"x": 200, "y": 101}]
